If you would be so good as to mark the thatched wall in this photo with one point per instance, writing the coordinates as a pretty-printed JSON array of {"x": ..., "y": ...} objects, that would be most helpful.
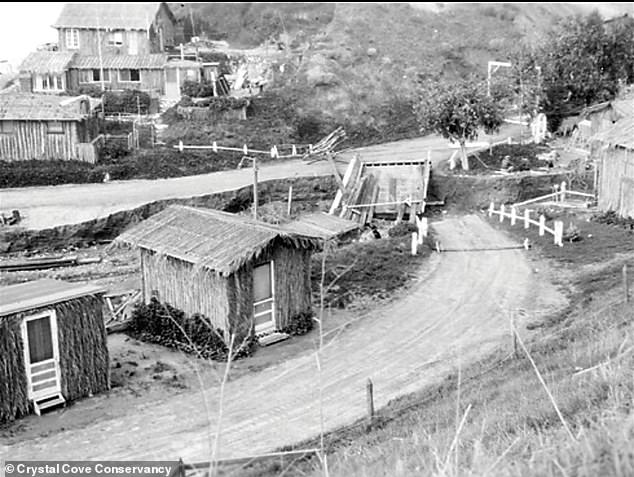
[
  {"x": 192, "y": 290},
  {"x": 616, "y": 180},
  {"x": 228, "y": 302},
  {"x": 83, "y": 354}
]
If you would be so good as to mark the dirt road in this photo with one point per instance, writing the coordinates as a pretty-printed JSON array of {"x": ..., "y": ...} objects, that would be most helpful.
[
  {"x": 44, "y": 207},
  {"x": 458, "y": 310}
]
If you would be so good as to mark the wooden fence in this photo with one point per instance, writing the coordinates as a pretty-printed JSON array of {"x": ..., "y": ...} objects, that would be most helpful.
[
  {"x": 557, "y": 230},
  {"x": 560, "y": 195}
]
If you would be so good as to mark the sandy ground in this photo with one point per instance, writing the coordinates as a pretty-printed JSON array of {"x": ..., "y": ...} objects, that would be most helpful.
[
  {"x": 44, "y": 207},
  {"x": 458, "y": 310}
]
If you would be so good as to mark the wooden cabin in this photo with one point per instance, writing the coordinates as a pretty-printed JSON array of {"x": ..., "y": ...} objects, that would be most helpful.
[
  {"x": 119, "y": 72},
  {"x": 94, "y": 29},
  {"x": 52, "y": 346},
  {"x": 45, "y": 72},
  {"x": 46, "y": 127},
  {"x": 244, "y": 276},
  {"x": 613, "y": 151}
]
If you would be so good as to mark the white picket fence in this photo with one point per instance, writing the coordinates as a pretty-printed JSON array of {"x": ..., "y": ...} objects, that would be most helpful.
[
  {"x": 417, "y": 237},
  {"x": 557, "y": 230},
  {"x": 560, "y": 195}
]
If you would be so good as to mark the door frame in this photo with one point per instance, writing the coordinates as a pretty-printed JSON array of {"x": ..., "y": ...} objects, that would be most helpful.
[
  {"x": 52, "y": 315},
  {"x": 272, "y": 324}
]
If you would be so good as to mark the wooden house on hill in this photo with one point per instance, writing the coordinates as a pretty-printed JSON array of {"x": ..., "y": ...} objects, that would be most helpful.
[
  {"x": 41, "y": 126},
  {"x": 245, "y": 276},
  {"x": 45, "y": 72},
  {"x": 94, "y": 29},
  {"x": 614, "y": 152},
  {"x": 52, "y": 346}
]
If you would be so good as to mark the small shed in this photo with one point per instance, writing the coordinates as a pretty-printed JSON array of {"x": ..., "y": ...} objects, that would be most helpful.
[
  {"x": 52, "y": 345},
  {"x": 242, "y": 275},
  {"x": 613, "y": 151},
  {"x": 47, "y": 127}
]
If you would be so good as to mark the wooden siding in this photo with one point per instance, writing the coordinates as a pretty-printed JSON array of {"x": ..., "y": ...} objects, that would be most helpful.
[
  {"x": 151, "y": 80},
  {"x": 89, "y": 42},
  {"x": 616, "y": 181},
  {"x": 31, "y": 140}
]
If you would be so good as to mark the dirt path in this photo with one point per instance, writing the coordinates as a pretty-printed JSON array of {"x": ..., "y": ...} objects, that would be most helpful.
[
  {"x": 458, "y": 309},
  {"x": 44, "y": 207}
]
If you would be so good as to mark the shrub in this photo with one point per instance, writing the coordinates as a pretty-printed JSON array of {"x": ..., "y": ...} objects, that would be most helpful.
[
  {"x": 402, "y": 229},
  {"x": 161, "y": 323},
  {"x": 127, "y": 102},
  {"x": 300, "y": 324}
]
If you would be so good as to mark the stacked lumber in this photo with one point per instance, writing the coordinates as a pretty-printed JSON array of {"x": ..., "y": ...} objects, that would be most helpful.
[{"x": 326, "y": 145}]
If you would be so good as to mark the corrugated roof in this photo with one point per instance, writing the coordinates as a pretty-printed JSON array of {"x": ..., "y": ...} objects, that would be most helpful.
[
  {"x": 620, "y": 134},
  {"x": 42, "y": 62},
  {"x": 38, "y": 107},
  {"x": 40, "y": 293},
  {"x": 127, "y": 16},
  {"x": 119, "y": 62},
  {"x": 208, "y": 238},
  {"x": 321, "y": 225}
]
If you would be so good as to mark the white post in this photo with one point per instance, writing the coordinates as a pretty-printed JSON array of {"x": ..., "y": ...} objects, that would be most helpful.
[
  {"x": 294, "y": 151},
  {"x": 559, "y": 233},
  {"x": 491, "y": 209},
  {"x": 502, "y": 213},
  {"x": 428, "y": 155},
  {"x": 414, "y": 243},
  {"x": 290, "y": 200},
  {"x": 513, "y": 215},
  {"x": 510, "y": 139},
  {"x": 245, "y": 149},
  {"x": 437, "y": 246},
  {"x": 542, "y": 225},
  {"x": 563, "y": 191},
  {"x": 214, "y": 147},
  {"x": 527, "y": 244},
  {"x": 422, "y": 229},
  {"x": 527, "y": 216}
]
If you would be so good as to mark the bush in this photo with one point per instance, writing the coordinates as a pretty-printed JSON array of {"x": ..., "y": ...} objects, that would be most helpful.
[
  {"x": 127, "y": 102},
  {"x": 402, "y": 229},
  {"x": 299, "y": 324},
  {"x": 161, "y": 323}
]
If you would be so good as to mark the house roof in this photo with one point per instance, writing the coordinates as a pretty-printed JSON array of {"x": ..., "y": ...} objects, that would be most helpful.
[
  {"x": 321, "y": 225},
  {"x": 620, "y": 134},
  {"x": 119, "y": 62},
  {"x": 207, "y": 238},
  {"x": 42, "y": 62},
  {"x": 40, "y": 293},
  {"x": 624, "y": 107},
  {"x": 123, "y": 16},
  {"x": 38, "y": 107}
]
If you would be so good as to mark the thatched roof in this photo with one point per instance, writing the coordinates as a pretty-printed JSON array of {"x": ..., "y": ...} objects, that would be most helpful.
[
  {"x": 38, "y": 107},
  {"x": 620, "y": 134},
  {"x": 40, "y": 293},
  {"x": 321, "y": 225},
  {"x": 215, "y": 240},
  {"x": 116, "y": 16},
  {"x": 118, "y": 62},
  {"x": 44, "y": 62}
]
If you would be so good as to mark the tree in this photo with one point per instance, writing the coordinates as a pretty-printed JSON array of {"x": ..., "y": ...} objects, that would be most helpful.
[
  {"x": 584, "y": 61},
  {"x": 458, "y": 111}
]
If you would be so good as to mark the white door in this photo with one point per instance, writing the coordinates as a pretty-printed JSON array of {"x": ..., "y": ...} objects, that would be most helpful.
[
  {"x": 41, "y": 355},
  {"x": 172, "y": 86},
  {"x": 264, "y": 298}
]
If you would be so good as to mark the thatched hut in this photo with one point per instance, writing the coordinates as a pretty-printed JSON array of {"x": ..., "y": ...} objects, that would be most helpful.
[
  {"x": 52, "y": 346},
  {"x": 244, "y": 276}
]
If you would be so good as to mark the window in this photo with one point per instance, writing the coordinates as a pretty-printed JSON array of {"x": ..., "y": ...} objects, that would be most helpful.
[
  {"x": 72, "y": 38},
  {"x": 7, "y": 127},
  {"x": 115, "y": 38},
  {"x": 55, "y": 127},
  {"x": 49, "y": 83},
  {"x": 129, "y": 75},
  {"x": 94, "y": 76}
]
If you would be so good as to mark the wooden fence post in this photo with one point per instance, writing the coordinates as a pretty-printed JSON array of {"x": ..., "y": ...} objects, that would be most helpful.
[
  {"x": 542, "y": 225},
  {"x": 626, "y": 284},
  {"x": 502, "y": 213},
  {"x": 527, "y": 216},
  {"x": 369, "y": 394},
  {"x": 414, "y": 243},
  {"x": 513, "y": 215},
  {"x": 563, "y": 192},
  {"x": 559, "y": 233},
  {"x": 491, "y": 209},
  {"x": 510, "y": 140},
  {"x": 290, "y": 200}
]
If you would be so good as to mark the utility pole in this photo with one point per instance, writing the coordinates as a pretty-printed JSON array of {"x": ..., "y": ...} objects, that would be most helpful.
[{"x": 254, "y": 160}]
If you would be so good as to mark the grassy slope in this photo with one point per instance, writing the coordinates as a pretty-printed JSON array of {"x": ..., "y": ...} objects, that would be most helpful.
[{"x": 511, "y": 427}]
